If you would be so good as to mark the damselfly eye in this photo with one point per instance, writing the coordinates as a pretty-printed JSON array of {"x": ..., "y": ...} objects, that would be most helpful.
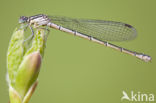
[{"x": 23, "y": 19}]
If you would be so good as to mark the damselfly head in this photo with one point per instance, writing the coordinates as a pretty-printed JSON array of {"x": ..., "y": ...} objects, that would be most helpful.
[{"x": 23, "y": 19}]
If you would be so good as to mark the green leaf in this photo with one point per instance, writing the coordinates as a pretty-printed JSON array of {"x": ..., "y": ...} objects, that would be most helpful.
[{"x": 24, "y": 59}]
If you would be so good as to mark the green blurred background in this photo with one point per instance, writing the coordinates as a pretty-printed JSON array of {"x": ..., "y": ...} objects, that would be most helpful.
[{"x": 75, "y": 70}]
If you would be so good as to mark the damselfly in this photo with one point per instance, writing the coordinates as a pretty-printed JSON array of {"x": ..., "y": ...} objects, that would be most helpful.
[{"x": 99, "y": 31}]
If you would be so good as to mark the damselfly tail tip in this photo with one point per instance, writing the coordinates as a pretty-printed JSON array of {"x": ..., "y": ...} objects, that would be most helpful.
[{"x": 146, "y": 58}]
